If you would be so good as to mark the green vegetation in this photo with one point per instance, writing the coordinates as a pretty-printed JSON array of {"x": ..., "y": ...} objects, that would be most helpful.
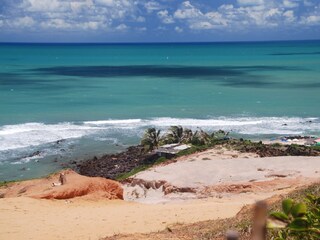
[
  {"x": 151, "y": 139},
  {"x": 177, "y": 134},
  {"x": 297, "y": 220},
  {"x": 140, "y": 168},
  {"x": 317, "y": 148},
  {"x": 192, "y": 149},
  {"x": 199, "y": 141},
  {"x": 134, "y": 171},
  {"x": 7, "y": 183}
]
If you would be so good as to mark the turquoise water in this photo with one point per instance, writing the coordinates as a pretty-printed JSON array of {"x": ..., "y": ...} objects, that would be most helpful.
[{"x": 100, "y": 98}]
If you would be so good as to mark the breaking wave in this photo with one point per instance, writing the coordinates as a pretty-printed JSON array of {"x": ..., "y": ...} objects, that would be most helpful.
[{"x": 35, "y": 134}]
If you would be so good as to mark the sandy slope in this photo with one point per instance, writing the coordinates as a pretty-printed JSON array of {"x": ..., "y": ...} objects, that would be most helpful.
[
  {"x": 219, "y": 172},
  {"x": 26, "y": 218}
]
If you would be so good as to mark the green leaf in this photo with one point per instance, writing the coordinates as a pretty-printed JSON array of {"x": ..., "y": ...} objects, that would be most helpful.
[
  {"x": 281, "y": 235},
  {"x": 275, "y": 224},
  {"x": 287, "y": 205},
  {"x": 299, "y": 224},
  {"x": 299, "y": 210},
  {"x": 280, "y": 215}
]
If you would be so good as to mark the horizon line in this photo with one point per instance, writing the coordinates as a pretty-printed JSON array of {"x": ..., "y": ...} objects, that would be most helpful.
[{"x": 165, "y": 42}]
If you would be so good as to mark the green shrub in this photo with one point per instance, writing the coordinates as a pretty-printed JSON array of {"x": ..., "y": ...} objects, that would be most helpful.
[{"x": 297, "y": 220}]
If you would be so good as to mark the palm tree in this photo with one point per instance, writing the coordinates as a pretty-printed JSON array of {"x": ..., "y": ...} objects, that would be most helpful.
[
  {"x": 151, "y": 139},
  {"x": 220, "y": 135},
  {"x": 201, "y": 138},
  {"x": 175, "y": 134},
  {"x": 187, "y": 136}
]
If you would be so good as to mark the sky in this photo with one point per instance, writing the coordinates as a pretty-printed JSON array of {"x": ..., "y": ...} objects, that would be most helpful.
[{"x": 158, "y": 21}]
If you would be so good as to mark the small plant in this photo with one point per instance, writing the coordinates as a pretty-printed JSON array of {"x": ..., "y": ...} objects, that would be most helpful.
[{"x": 297, "y": 221}]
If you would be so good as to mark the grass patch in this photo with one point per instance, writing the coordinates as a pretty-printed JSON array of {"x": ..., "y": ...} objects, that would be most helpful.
[
  {"x": 140, "y": 168},
  {"x": 8, "y": 183},
  {"x": 134, "y": 171},
  {"x": 317, "y": 148},
  {"x": 192, "y": 150}
]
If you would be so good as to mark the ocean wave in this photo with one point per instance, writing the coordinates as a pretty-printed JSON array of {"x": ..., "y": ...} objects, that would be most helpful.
[{"x": 35, "y": 134}]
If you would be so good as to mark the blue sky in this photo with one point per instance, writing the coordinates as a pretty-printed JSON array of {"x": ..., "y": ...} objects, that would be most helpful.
[{"x": 158, "y": 21}]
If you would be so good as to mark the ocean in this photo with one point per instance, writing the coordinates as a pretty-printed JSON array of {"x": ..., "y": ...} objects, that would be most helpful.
[{"x": 63, "y": 102}]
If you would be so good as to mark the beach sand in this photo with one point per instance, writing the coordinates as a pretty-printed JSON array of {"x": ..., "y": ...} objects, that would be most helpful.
[
  {"x": 215, "y": 172},
  {"x": 27, "y": 218}
]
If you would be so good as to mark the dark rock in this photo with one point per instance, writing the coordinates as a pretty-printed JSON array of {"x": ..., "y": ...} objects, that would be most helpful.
[
  {"x": 36, "y": 153},
  {"x": 112, "y": 165},
  {"x": 60, "y": 141}
]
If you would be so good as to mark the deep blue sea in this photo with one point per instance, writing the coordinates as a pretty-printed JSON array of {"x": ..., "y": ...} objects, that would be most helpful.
[{"x": 62, "y": 102}]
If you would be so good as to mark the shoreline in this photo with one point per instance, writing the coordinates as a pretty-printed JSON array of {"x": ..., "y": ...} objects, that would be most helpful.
[
  {"x": 146, "y": 160},
  {"x": 50, "y": 146},
  {"x": 191, "y": 184},
  {"x": 134, "y": 159}
]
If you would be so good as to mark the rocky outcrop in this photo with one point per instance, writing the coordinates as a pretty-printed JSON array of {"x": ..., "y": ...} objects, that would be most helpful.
[
  {"x": 136, "y": 188},
  {"x": 112, "y": 165}
]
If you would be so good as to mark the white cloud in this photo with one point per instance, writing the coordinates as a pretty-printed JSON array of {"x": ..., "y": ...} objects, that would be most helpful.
[
  {"x": 44, "y": 5},
  {"x": 289, "y": 16},
  {"x": 250, "y": 2},
  {"x": 250, "y": 14},
  {"x": 178, "y": 29},
  {"x": 311, "y": 20},
  {"x": 81, "y": 6},
  {"x": 165, "y": 17},
  {"x": 290, "y": 4},
  {"x": 152, "y": 6},
  {"x": 141, "y": 29},
  {"x": 217, "y": 18},
  {"x": 122, "y": 15},
  {"x": 140, "y": 19},
  {"x": 23, "y": 22},
  {"x": 122, "y": 27},
  {"x": 226, "y": 7},
  {"x": 201, "y": 25},
  {"x": 187, "y": 10},
  {"x": 91, "y": 25},
  {"x": 73, "y": 14},
  {"x": 56, "y": 23}
]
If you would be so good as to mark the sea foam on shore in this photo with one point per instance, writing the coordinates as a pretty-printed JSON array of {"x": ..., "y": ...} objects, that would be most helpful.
[{"x": 29, "y": 145}]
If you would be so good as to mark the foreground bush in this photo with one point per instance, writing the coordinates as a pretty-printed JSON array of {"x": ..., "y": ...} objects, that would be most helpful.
[{"x": 297, "y": 220}]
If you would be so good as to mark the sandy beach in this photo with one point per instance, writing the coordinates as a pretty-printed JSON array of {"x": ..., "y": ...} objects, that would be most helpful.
[{"x": 214, "y": 176}]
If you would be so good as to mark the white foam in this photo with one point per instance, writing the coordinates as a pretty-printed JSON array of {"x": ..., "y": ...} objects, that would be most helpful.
[
  {"x": 27, "y": 159},
  {"x": 114, "y": 122},
  {"x": 35, "y": 134}
]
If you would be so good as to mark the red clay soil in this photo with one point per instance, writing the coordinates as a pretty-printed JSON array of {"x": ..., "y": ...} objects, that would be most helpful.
[{"x": 76, "y": 186}]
